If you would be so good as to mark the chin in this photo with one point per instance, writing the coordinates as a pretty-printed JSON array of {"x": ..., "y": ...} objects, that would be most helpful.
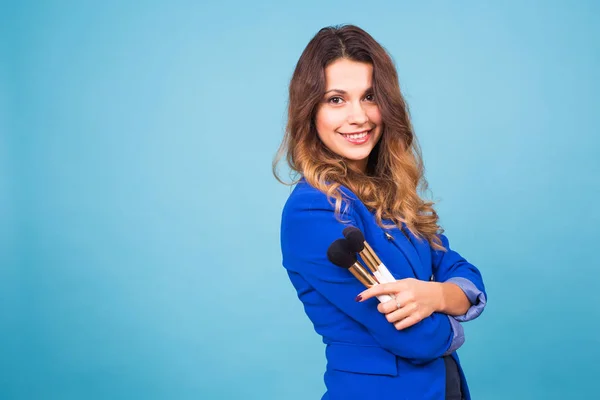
[{"x": 357, "y": 157}]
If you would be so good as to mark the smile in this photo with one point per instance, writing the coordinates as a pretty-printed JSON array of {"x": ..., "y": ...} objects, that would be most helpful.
[{"x": 357, "y": 138}]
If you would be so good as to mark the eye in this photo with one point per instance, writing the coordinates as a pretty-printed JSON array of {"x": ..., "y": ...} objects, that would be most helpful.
[
  {"x": 370, "y": 97},
  {"x": 335, "y": 100}
]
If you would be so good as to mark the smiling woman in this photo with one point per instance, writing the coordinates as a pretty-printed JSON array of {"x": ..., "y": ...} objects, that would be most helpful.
[
  {"x": 350, "y": 140},
  {"x": 348, "y": 120}
]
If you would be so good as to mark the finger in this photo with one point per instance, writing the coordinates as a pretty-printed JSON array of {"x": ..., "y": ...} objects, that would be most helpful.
[
  {"x": 401, "y": 299},
  {"x": 376, "y": 290},
  {"x": 401, "y": 313},
  {"x": 408, "y": 321}
]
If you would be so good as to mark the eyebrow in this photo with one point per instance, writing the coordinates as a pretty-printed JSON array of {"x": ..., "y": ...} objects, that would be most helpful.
[{"x": 344, "y": 92}]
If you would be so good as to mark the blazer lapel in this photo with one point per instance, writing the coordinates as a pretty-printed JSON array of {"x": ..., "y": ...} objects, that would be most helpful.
[
  {"x": 421, "y": 246},
  {"x": 402, "y": 241}
]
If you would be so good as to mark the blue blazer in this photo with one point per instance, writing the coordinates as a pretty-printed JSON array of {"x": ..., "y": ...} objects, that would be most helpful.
[{"x": 367, "y": 358}]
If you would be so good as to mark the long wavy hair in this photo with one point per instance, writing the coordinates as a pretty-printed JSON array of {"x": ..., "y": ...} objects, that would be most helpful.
[{"x": 394, "y": 176}]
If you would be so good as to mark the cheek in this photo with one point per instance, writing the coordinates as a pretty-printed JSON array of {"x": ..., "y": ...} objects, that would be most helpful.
[
  {"x": 327, "y": 121},
  {"x": 374, "y": 115}
]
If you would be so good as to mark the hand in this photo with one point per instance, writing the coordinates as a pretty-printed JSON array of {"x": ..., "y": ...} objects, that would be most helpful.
[{"x": 416, "y": 299}]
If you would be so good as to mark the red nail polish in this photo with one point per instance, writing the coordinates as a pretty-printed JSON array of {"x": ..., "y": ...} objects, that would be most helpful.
[{"x": 358, "y": 298}]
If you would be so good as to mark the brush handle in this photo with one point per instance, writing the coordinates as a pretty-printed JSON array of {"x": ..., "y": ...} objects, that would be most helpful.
[
  {"x": 380, "y": 277},
  {"x": 384, "y": 298},
  {"x": 385, "y": 273}
]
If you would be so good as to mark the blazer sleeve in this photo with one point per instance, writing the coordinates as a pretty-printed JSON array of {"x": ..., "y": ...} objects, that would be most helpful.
[
  {"x": 308, "y": 228},
  {"x": 449, "y": 266}
]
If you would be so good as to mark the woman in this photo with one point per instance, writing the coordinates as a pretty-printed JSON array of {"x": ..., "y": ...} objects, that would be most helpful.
[{"x": 350, "y": 140}]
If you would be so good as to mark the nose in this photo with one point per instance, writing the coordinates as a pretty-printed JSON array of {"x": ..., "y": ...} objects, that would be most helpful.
[{"x": 357, "y": 114}]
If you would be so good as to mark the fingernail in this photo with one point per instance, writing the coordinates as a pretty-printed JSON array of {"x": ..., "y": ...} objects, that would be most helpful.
[{"x": 358, "y": 298}]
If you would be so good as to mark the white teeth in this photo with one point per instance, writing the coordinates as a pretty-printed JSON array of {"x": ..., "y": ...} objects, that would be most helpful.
[{"x": 357, "y": 136}]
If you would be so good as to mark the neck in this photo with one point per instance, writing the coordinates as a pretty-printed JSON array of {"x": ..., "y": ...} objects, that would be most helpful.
[{"x": 358, "y": 165}]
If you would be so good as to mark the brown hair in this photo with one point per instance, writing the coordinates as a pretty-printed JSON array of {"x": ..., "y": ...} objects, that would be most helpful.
[{"x": 394, "y": 172}]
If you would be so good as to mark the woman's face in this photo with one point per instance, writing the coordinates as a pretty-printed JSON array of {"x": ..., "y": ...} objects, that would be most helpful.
[{"x": 348, "y": 119}]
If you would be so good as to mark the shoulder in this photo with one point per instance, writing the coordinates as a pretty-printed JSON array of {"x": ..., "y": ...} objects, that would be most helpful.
[
  {"x": 305, "y": 197},
  {"x": 309, "y": 224}
]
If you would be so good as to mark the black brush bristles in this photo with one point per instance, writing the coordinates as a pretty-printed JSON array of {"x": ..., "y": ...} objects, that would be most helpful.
[
  {"x": 340, "y": 253},
  {"x": 355, "y": 238}
]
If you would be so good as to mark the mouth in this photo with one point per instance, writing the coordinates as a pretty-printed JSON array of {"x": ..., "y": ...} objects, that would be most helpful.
[{"x": 358, "y": 137}]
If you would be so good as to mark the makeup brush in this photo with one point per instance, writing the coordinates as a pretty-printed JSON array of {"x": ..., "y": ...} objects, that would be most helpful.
[{"x": 341, "y": 254}]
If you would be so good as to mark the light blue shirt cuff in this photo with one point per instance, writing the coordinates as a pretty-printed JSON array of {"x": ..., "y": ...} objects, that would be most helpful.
[
  {"x": 458, "y": 338},
  {"x": 475, "y": 296}
]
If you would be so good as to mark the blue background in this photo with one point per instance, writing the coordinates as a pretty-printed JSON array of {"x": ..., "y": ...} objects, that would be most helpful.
[{"x": 139, "y": 235}]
